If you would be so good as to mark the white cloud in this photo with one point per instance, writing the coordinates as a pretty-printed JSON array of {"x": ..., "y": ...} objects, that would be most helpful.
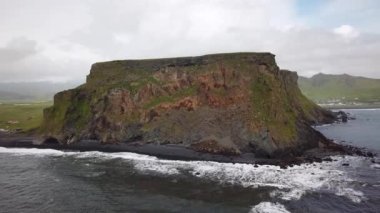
[
  {"x": 17, "y": 49},
  {"x": 347, "y": 32},
  {"x": 122, "y": 38},
  {"x": 62, "y": 39}
]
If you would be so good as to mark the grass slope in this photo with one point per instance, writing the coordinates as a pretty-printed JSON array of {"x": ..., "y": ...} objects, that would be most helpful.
[
  {"x": 346, "y": 88},
  {"x": 25, "y": 116}
]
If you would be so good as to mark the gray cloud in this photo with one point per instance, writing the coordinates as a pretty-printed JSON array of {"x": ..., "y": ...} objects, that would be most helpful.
[
  {"x": 65, "y": 38},
  {"x": 17, "y": 49}
]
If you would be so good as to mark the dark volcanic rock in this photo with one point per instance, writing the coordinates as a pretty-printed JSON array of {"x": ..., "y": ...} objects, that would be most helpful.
[
  {"x": 342, "y": 116},
  {"x": 228, "y": 104}
]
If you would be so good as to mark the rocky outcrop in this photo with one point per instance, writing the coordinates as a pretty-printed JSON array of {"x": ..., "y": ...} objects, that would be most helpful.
[{"x": 223, "y": 104}]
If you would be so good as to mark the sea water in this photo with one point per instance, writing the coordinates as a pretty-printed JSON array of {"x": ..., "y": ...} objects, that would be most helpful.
[{"x": 44, "y": 180}]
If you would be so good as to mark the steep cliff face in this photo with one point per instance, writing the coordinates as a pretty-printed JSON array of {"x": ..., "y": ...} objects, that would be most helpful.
[{"x": 223, "y": 103}]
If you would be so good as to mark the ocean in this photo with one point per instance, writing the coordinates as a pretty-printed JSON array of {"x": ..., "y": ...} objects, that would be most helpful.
[{"x": 45, "y": 180}]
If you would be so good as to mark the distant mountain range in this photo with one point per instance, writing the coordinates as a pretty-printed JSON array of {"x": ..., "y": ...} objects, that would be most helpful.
[
  {"x": 32, "y": 91},
  {"x": 324, "y": 88}
]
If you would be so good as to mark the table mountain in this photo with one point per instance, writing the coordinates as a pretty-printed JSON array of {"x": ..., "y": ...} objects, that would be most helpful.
[{"x": 222, "y": 104}]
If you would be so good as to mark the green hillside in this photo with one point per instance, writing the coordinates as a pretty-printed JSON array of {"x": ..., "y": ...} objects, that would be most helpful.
[
  {"x": 23, "y": 116},
  {"x": 323, "y": 88}
]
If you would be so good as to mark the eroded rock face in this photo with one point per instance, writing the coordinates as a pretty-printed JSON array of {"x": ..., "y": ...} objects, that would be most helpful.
[{"x": 224, "y": 103}]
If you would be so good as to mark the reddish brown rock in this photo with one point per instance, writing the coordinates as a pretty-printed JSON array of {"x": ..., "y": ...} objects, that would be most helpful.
[{"x": 243, "y": 101}]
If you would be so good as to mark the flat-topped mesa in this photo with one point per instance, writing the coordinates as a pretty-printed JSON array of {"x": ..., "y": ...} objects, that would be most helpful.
[
  {"x": 223, "y": 104},
  {"x": 121, "y": 70}
]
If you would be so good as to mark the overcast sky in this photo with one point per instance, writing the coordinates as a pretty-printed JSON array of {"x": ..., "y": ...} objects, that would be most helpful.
[{"x": 58, "y": 40}]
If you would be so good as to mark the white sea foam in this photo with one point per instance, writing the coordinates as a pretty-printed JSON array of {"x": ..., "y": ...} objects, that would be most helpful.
[
  {"x": 353, "y": 195},
  {"x": 31, "y": 151},
  {"x": 268, "y": 207},
  {"x": 289, "y": 184},
  {"x": 322, "y": 125},
  {"x": 369, "y": 109}
]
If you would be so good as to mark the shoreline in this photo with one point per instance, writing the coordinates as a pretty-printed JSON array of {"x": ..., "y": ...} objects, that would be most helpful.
[
  {"x": 343, "y": 107},
  {"x": 180, "y": 152}
]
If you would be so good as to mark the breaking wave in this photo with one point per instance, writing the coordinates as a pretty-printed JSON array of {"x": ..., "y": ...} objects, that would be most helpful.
[
  {"x": 268, "y": 207},
  {"x": 288, "y": 184}
]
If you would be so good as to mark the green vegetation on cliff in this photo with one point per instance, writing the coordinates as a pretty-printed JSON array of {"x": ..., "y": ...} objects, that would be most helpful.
[
  {"x": 186, "y": 92},
  {"x": 234, "y": 102},
  {"x": 272, "y": 107}
]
